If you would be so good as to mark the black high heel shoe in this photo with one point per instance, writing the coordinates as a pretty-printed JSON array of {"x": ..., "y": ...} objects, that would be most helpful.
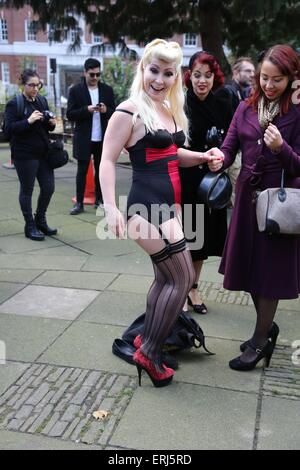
[
  {"x": 273, "y": 333},
  {"x": 198, "y": 308},
  {"x": 265, "y": 353}
]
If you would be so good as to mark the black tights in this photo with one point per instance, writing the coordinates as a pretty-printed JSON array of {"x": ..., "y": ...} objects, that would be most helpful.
[
  {"x": 174, "y": 277},
  {"x": 265, "y": 310}
]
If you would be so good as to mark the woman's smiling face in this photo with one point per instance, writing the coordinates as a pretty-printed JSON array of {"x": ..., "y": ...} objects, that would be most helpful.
[
  {"x": 272, "y": 81},
  {"x": 159, "y": 77}
]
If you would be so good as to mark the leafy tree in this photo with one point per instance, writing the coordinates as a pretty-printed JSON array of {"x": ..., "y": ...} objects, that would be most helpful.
[
  {"x": 119, "y": 74},
  {"x": 245, "y": 26}
]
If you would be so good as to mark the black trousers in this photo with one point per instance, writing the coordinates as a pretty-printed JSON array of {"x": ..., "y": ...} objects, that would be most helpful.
[
  {"x": 82, "y": 169},
  {"x": 28, "y": 171}
]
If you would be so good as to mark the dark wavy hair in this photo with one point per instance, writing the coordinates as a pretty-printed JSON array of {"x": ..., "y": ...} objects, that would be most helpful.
[
  {"x": 287, "y": 61},
  {"x": 27, "y": 73},
  {"x": 204, "y": 57}
]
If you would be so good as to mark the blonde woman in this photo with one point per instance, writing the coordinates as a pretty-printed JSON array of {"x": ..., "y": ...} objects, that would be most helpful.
[{"x": 152, "y": 126}]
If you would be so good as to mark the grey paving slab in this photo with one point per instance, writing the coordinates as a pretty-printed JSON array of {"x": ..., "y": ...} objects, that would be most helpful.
[
  {"x": 115, "y": 308},
  {"x": 134, "y": 263},
  {"x": 185, "y": 416},
  {"x": 10, "y": 227},
  {"x": 279, "y": 425},
  {"x": 88, "y": 345},
  {"x": 19, "y": 275},
  {"x": 9, "y": 289},
  {"x": 238, "y": 322},
  {"x": 79, "y": 280},
  {"x": 133, "y": 284},
  {"x": 42, "y": 262},
  {"x": 199, "y": 368},
  {"x": 72, "y": 233},
  {"x": 21, "y": 244},
  {"x": 62, "y": 250},
  {"x": 10, "y": 372},
  {"x": 107, "y": 248},
  {"x": 210, "y": 271},
  {"x": 50, "y": 302},
  {"x": 10, "y": 440},
  {"x": 293, "y": 304},
  {"x": 27, "y": 337}
]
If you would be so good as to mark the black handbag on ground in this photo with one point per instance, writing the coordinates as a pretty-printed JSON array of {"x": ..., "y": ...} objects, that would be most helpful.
[
  {"x": 186, "y": 333},
  {"x": 57, "y": 156},
  {"x": 215, "y": 190}
]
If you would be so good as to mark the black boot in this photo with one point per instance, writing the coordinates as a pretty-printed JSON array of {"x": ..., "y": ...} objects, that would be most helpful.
[
  {"x": 32, "y": 232},
  {"x": 77, "y": 209},
  {"x": 41, "y": 224}
]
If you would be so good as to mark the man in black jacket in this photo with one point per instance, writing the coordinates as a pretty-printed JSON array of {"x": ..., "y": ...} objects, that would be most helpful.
[{"x": 90, "y": 105}]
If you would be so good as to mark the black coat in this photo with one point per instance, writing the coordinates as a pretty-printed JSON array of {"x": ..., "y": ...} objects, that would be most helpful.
[
  {"x": 77, "y": 111},
  {"x": 28, "y": 141},
  {"x": 202, "y": 115}
]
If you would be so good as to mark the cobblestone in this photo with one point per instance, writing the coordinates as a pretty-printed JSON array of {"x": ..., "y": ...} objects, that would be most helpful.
[
  {"x": 282, "y": 377},
  {"x": 59, "y": 402}
]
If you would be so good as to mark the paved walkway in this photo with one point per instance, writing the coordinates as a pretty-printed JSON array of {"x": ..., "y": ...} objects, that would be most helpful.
[{"x": 64, "y": 300}]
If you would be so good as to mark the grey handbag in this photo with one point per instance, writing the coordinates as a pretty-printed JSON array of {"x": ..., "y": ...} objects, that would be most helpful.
[{"x": 278, "y": 210}]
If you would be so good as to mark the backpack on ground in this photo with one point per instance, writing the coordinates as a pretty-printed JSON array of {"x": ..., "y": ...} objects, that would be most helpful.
[{"x": 185, "y": 334}]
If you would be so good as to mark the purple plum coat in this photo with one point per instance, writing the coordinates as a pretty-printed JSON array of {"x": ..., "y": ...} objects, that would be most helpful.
[{"x": 252, "y": 261}]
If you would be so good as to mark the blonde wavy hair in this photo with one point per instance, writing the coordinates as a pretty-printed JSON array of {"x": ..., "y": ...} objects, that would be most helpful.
[{"x": 171, "y": 53}]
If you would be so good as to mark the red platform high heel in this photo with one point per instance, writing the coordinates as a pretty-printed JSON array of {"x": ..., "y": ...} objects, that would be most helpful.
[
  {"x": 159, "y": 379},
  {"x": 137, "y": 343}
]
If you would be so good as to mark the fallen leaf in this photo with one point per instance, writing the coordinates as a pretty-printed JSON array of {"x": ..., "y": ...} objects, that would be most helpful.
[{"x": 100, "y": 414}]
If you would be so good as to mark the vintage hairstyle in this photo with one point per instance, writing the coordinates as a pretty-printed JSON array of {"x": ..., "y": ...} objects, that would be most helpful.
[
  {"x": 169, "y": 52},
  {"x": 236, "y": 66},
  {"x": 26, "y": 74},
  {"x": 91, "y": 64},
  {"x": 287, "y": 61},
  {"x": 204, "y": 57}
]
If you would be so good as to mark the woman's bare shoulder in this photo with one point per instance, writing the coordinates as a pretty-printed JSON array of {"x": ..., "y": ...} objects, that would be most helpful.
[{"x": 127, "y": 105}]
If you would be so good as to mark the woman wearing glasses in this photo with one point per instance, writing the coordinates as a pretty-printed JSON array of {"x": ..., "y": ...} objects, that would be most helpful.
[
  {"x": 266, "y": 128},
  {"x": 28, "y": 126}
]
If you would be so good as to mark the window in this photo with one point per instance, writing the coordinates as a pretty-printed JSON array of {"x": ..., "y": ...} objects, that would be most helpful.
[
  {"x": 5, "y": 72},
  {"x": 31, "y": 30},
  {"x": 96, "y": 39},
  {"x": 190, "y": 40},
  {"x": 3, "y": 30}
]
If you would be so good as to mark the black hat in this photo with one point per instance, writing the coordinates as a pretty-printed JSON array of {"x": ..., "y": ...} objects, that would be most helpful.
[{"x": 215, "y": 190}]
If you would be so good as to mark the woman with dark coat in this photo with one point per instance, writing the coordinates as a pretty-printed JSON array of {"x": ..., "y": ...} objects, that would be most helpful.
[
  {"x": 267, "y": 129},
  {"x": 204, "y": 111},
  {"x": 28, "y": 127}
]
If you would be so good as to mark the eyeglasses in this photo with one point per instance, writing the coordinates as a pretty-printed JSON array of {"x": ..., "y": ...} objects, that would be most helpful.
[
  {"x": 92, "y": 74},
  {"x": 34, "y": 85}
]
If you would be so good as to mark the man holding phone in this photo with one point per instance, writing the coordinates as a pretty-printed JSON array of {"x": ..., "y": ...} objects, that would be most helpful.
[{"x": 90, "y": 105}]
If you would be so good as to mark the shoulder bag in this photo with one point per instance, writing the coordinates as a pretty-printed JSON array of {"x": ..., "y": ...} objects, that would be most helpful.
[{"x": 278, "y": 210}]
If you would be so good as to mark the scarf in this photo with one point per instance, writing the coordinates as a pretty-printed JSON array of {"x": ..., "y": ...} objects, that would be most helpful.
[{"x": 267, "y": 111}]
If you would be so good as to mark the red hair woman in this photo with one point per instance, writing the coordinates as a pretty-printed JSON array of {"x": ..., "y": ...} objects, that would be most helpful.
[
  {"x": 205, "y": 111},
  {"x": 267, "y": 130}
]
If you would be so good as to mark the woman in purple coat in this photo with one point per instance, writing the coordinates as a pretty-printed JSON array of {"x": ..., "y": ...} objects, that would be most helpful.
[{"x": 267, "y": 130}]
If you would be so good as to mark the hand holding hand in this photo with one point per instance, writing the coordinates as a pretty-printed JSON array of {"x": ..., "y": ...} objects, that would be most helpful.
[
  {"x": 215, "y": 158},
  {"x": 272, "y": 138},
  {"x": 35, "y": 116},
  {"x": 115, "y": 220}
]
